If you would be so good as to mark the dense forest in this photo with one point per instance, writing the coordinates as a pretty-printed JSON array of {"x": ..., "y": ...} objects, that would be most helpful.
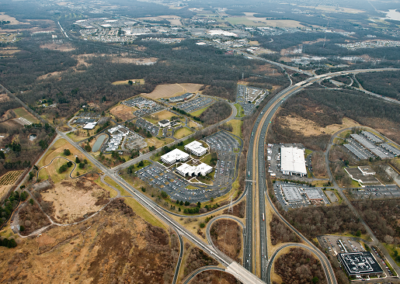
[{"x": 382, "y": 83}]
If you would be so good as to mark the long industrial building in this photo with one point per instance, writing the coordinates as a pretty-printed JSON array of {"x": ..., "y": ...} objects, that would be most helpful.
[
  {"x": 293, "y": 161},
  {"x": 370, "y": 146}
]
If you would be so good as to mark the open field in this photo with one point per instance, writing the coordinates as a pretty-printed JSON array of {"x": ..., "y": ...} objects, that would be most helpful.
[
  {"x": 182, "y": 132},
  {"x": 22, "y": 112},
  {"x": 65, "y": 47},
  {"x": 112, "y": 192},
  {"x": 335, "y": 9},
  {"x": 240, "y": 112},
  {"x": 255, "y": 21},
  {"x": 80, "y": 252},
  {"x": 310, "y": 128},
  {"x": 126, "y": 82},
  {"x": 158, "y": 116},
  {"x": 123, "y": 112},
  {"x": 136, "y": 61},
  {"x": 172, "y": 90},
  {"x": 158, "y": 143},
  {"x": 57, "y": 151},
  {"x": 73, "y": 199},
  {"x": 13, "y": 21},
  {"x": 237, "y": 127},
  {"x": 197, "y": 113}
]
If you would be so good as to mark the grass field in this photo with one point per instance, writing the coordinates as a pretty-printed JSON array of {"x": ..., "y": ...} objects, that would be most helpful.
[
  {"x": 126, "y": 82},
  {"x": 112, "y": 192},
  {"x": 22, "y": 112},
  {"x": 182, "y": 132},
  {"x": 199, "y": 112},
  {"x": 172, "y": 90},
  {"x": 123, "y": 112},
  {"x": 237, "y": 127},
  {"x": 391, "y": 249},
  {"x": 154, "y": 141},
  {"x": 240, "y": 111},
  {"x": 158, "y": 116},
  {"x": 143, "y": 213}
]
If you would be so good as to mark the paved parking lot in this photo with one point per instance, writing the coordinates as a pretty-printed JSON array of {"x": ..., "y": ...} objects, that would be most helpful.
[
  {"x": 195, "y": 104},
  {"x": 145, "y": 106},
  {"x": 243, "y": 99},
  {"x": 375, "y": 192},
  {"x": 144, "y": 124}
]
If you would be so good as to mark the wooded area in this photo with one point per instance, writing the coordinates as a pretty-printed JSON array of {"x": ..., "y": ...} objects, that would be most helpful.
[{"x": 383, "y": 83}]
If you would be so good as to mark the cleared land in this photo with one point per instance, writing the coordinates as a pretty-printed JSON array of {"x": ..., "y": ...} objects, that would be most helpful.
[
  {"x": 237, "y": 127},
  {"x": 73, "y": 199},
  {"x": 158, "y": 143},
  {"x": 65, "y": 47},
  {"x": 123, "y": 112},
  {"x": 310, "y": 128},
  {"x": 136, "y": 61},
  {"x": 172, "y": 90},
  {"x": 22, "y": 112},
  {"x": 182, "y": 132},
  {"x": 115, "y": 245},
  {"x": 126, "y": 82},
  {"x": 13, "y": 21}
]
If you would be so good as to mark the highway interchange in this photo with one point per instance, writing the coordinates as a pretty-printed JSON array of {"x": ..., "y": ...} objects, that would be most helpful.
[{"x": 255, "y": 258}]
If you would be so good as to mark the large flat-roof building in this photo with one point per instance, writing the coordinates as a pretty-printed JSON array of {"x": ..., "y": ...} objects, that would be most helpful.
[
  {"x": 188, "y": 170},
  {"x": 181, "y": 98},
  {"x": 174, "y": 156},
  {"x": 359, "y": 263},
  {"x": 164, "y": 123},
  {"x": 196, "y": 148},
  {"x": 292, "y": 194},
  {"x": 293, "y": 161}
]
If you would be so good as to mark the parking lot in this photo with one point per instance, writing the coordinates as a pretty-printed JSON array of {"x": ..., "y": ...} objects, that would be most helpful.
[
  {"x": 195, "y": 104},
  {"x": 245, "y": 94},
  {"x": 144, "y": 124},
  {"x": 357, "y": 149},
  {"x": 174, "y": 185},
  {"x": 376, "y": 192}
]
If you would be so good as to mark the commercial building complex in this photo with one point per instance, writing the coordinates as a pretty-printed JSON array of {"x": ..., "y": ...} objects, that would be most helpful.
[
  {"x": 187, "y": 170},
  {"x": 359, "y": 264},
  {"x": 196, "y": 148},
  {"x": 164, "y": 123},
  {"x": 292, "y": 194},
  {"x": 174, "y": 156},
  {"x": 181, "y": 98},
  {"x": 293, "y": 161}
]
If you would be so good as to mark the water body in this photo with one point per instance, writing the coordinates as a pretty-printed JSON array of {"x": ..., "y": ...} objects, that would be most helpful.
[
  {"x": 392, "y": 15},
  {"x": 99, "y": 142}
]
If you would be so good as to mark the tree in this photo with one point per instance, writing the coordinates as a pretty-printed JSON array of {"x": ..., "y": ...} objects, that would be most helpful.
[
  {"x": 77, "y": 160},
  {"x": 130, "y": 82},
  {"x": 31, "y": 175},
  {"x": 164, "y": 195},
  {"x": 358, "y": 233},
  {"x": 198, "y": 204},
  {"x": 388, "y": 239},
  {"x": 141, "y": 164},
  {"x": 2, "y": 155},
  {"x": 31, "y": 201},
  {"x": 81, "y": 165},
  {"x": 202, "y": 225},
  {"x": 88, "y": 148},
  {"x": 315, "y": 280},
  {"x": 21, "y": 228},
  {"x": 67, "y": 152}
]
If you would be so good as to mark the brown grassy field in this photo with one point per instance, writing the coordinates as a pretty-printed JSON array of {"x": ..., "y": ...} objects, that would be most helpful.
[
  {"x": 161, "y": 115},
  {"x": 123, "y": 112},
  {"x": 13, "y": 21},
  {"x": 136, "y": 61},
  {"x": 115, "y": 245},
  {"x": 60, "y": 47},
  {"x": 172, "y": 90},
  {"x": 309, "y": 128},
  {"x": 72, "y": 199}
]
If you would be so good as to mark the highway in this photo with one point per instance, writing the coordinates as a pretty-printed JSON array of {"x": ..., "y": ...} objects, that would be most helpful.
[{"x": 255, "y": 247}]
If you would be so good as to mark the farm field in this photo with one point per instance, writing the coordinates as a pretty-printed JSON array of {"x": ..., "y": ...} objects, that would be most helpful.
[
  {"x": 22, "y": 112},
  {"x": 123, "y": 112},
  {"x": 182, "y": 132},
  {"x": 126, "y": 82},
  {"x": 172, "y": 90},
  {"x": 7, "y": 181}
]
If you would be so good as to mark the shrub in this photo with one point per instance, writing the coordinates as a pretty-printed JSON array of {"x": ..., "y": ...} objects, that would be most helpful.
[
  {"x": 202, "y": 225},
  {"x": 164, "y": 194},
  {"x": 67, "y": 152},
  {"x": 31, "y": 201},
  {"x": 21, "y": 228},
  {"x": 77, "y": 160}
]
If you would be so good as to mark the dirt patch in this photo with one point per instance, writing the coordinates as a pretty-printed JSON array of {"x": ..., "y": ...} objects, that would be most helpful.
[
  {"x": 74, "y": 200},
  {"x": 60, "y": 47},
  {"x": 172, "y": 90},
  {"x": 226, "y": 236},
  {"x": 219, "y": 277},
  {"x": 238, "y": 210},
  {"x": 299, "y": 266},
  {"x": 115, "y": 245},
  {"x": 123, "y": 112}
]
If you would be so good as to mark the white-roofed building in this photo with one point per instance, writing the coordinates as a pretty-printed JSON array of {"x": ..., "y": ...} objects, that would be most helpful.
[
  {"x": 196, "y": 148},
  {"x": 90, "y": 126},
  {"x": 293, "y": 161},
  {"x": 187, "y": 170},
  {"x": 174, "y": 156}
]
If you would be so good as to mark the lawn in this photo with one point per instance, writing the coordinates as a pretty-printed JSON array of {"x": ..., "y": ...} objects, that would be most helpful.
[
  {"x": 197, "y": 113},
  {"x": 308, "y": 152},
  {"x": 237, "y": 127},
  {"x": 182, "y": 132},
  {"x": 22, "y": 112},
  {"x": 143, "y": 213},
  {"x": 206, "y": 159},
  {"x": 111, "y": 182},
  {"x": 240, "y": 111},
  {"x": 145, "y": 164},
  {"x": 391, "y": 249}
]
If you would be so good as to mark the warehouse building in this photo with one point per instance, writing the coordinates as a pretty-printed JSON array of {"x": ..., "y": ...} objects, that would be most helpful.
[
  {"x": 314, "y": 195},
  {"x": 174, "y": 156},
  {"x": 196, "y": 148},
  {"x": 191, "y": 171},
  {"x": 357, "y": 175},
  {"x": 360, "y": 264},
  {"x": 371, "y": 147},
  {"x": 292, "y": 194},
  {"x": 371, "y": 137},
  {"x": 293, "y": 161},
  {"x": 90, "y": 126}
]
